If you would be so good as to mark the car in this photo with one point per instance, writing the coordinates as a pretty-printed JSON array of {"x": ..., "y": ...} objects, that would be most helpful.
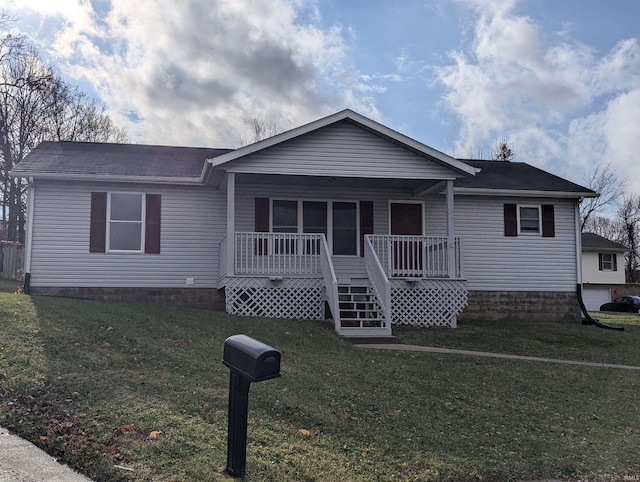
[{"x": 630, "y": 304}]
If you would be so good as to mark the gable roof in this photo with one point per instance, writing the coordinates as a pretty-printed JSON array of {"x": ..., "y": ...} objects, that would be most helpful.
[
  {"x": 116, "y": 162},
  {"x": 359, "y": 121},
  {"x": 514, "y": 178},
  {"x": 594, "y": 242}
]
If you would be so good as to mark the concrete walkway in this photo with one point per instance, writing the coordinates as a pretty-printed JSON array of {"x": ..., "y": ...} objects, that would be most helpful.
[
  {"x": 433, "y": 349},
  {"x": 21, "y": 461}
]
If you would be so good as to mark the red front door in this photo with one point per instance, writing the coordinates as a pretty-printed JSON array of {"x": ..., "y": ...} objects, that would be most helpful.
[{"x": 406, "y": 220}]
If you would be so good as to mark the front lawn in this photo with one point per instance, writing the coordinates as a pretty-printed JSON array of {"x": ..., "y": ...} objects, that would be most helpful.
[{"x": 125, "y": 392}]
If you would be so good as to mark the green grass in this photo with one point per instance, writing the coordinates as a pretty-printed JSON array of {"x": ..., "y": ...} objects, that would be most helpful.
[
  {"x": 106, "y": 385},
  {"x": 9, "y": 286}
]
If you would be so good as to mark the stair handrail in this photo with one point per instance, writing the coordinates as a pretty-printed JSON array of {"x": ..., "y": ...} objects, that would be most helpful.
[
  {"x": 330, "y": 280},
  {"x": 379, "y": 282}
]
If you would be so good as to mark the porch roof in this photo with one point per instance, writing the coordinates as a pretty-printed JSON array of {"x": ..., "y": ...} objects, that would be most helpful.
[{"x": 433, "y": 155}]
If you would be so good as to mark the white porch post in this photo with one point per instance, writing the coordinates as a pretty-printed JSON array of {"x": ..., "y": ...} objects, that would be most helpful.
[
  {"x": 231, "y": 223},
  {"x": 450, "y": 239},
  {"x": 450, "y": 229}
]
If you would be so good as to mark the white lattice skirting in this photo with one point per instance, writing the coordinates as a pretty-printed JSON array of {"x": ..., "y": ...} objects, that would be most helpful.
[
  {"x": 430, "y": 302},
  {"x": 290, "y": 298}
]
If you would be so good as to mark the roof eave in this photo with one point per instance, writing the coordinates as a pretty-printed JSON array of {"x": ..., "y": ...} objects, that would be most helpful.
[
  {"x": 110, "y": 178},
  {"x": 603, "y": 250},
  {"x": 523, "y": 192}
]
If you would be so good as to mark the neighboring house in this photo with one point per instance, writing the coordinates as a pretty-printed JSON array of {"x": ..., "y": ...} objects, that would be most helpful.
[
  {"x": 342, "y": 218},
  {"x": 603, "y": 275}
]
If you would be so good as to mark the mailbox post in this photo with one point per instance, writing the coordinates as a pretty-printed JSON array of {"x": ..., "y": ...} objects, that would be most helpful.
[{"x": 249, "y": 361}]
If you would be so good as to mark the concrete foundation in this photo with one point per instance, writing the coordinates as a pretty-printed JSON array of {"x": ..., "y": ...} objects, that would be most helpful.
[
  {"x": 522, "y": 306},
  {"x": 205, "y": 298}
]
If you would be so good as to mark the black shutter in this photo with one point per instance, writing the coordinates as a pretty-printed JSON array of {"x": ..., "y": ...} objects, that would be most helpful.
[
  {"x": 98, "y": 226},
  {"x": 261, "y": 221},
  {"x": 510, "y": 220},
  {"x": 152, "y": 224},
  {"x": 366, "y": 222},
  {"x": 548, "y": 221},
  {"x": 600, "y": 262},
  {"x": 614, "y": 258}
]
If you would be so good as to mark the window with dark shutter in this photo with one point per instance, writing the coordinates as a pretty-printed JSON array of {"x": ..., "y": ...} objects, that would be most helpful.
[
  {"x": 366, "y": 222},
  {"x": 548, "y": 221},
  {"x": 121, "y": 216},
  {"x": 510, "y": 220},
  {"x": 152, "y": 224},
  {"x": 98, "y": 226},
  {"x": 607, "y": 262}
]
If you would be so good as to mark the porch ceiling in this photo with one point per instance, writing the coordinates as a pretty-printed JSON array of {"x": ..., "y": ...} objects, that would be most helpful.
[{"x": 412, "y": 185}]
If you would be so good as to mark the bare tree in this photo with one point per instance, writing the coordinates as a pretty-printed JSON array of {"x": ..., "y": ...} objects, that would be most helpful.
[
  {"x": 606, "y": 227},
  {"x": 502, "y": 151},
  {"x": 262, "y": 129},
  {"x": 37, "y": 105},
  {"x": 629, "y": 216},
  {"x": 610, "y": 188}
]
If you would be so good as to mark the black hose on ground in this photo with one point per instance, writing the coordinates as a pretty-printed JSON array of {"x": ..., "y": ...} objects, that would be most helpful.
[{"x": 588, "y": 319}]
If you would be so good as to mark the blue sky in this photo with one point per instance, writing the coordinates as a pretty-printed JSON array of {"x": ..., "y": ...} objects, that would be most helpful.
[{"x": 559, "y": 79}]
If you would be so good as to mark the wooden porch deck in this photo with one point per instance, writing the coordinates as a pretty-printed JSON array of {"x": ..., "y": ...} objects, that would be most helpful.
[{"x": 409, "y": 280}]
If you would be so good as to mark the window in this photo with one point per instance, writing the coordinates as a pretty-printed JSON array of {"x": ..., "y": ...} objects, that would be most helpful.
[
  {"x": 125, "y": 222},
  {"x": 285, "y": 217},
  {"x": 607, "y": 262},
  {"x": 125, "y": 213},
  {"x": 529, "y": 219},
  {"x": 345, "y": 230},
  {"x": 338, "y": 221}
]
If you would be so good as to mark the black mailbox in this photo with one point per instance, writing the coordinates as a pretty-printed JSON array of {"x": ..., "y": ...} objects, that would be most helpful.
[
  {"x": 250, "y": 361},
  {"x": 251, "y": 358}
]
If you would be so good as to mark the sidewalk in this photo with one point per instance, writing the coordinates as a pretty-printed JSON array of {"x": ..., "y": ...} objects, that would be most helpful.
[
  {"x": 433, "y": 349},
  {"x": 21, "y": 461}
]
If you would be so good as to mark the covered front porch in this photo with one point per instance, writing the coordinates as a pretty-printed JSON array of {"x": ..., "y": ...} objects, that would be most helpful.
[
  {"x": 342, "y": 217},
  {"x": 400, "y": 280}
]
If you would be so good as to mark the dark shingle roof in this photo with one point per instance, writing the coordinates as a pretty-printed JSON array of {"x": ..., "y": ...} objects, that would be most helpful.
[
  {"x": 106, "y": 160},
  {"x": 594, "y": 242},
  {"x": 516, "y": 176}
]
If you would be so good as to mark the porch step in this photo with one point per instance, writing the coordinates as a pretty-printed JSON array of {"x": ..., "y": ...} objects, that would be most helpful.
[{"x": 358, "y": 307}]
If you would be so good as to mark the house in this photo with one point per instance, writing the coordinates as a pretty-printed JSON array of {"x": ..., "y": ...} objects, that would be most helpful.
[
  {"x": 603, "y": 274},
  {"x": 341, "y": 218}
]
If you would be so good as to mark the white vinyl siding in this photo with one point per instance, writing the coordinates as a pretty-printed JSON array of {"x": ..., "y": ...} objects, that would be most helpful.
[
  {"x": 495, "y": 262},
  {"x": 591, "y": 272},
  {"x": 342, "y": 150},
  {"x": 191, "y": 228}
]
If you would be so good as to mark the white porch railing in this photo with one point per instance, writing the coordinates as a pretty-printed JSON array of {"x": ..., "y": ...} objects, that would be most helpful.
[
  {"x": 277, "y": 254},
  {"x": 419, "y": 256},
  {"x": 379, "y": 281},
  {"x": 330, "y": 281}
]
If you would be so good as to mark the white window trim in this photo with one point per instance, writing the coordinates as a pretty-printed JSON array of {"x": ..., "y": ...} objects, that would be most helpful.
[
  {"x": 300, "y": 225},
  {"x": 529, "y": 233},
  {"x": 611, "y": 262},
  {"x": 142, "y": 222}
]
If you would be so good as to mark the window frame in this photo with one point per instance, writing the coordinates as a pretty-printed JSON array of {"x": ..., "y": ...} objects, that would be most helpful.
[
  {"x": 141, "y": 222},
  {"x": 612, "y": 262},
  {"x": 330, "y": 228},
  {"x": 538, "y": 207}
]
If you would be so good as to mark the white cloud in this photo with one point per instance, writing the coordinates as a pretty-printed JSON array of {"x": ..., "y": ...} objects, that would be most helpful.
[
  {"x": 199, "y": 74},
  {"x": 562, "y": 104}
]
